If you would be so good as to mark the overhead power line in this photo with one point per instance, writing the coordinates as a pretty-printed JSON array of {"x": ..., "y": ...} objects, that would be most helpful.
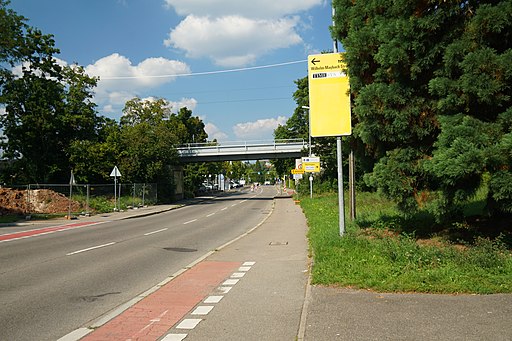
[{"x": 205, "y": 72}]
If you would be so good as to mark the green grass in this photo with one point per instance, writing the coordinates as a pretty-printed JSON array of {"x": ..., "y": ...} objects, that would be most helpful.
[{"x": 376, "y": 254}]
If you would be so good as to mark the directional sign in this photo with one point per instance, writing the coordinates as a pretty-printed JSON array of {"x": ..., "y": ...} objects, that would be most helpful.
[
  {"x": 329, "y": 97},
  {"x": 297, "y": 171},
  {"x": 311, "y": 164}
]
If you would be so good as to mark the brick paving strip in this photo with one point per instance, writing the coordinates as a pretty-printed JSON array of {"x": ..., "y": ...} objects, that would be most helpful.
[{"x": 153, "y": 316}]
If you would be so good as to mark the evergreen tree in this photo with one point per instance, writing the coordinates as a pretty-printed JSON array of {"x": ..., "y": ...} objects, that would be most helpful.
[{"x": 431, "y": 82}]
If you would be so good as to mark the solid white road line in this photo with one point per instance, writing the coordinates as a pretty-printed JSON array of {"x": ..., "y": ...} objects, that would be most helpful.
[
  {"x": 150, "y": 233},
  {"x": 89, "y": 249}
]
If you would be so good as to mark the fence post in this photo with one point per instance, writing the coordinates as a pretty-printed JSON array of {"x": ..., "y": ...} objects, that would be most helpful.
[
  {"x": 87, "y": 213},
  {"x": 143, "y": 192},
  {"x": 133, "y": 196}
]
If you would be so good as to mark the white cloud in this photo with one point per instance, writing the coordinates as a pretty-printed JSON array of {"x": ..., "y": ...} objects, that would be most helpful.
[
  {"x": 214, "y": 132},
  {"x": 189, "y": 103},
  {"x": 232, "y": 40},
  {"x": 112, "y": 93},
  {"x": 259, "y": 128},
  {"x": 234, "y": 33},
  {"x": 141, "y": 75},
  {"x": 252, "y": 9}
]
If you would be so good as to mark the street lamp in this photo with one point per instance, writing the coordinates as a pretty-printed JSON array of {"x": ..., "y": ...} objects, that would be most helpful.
[{"x": 309, "y": 128}]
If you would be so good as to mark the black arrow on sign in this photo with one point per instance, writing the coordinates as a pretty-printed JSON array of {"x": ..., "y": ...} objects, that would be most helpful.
[{"x": 314, "y": 61}]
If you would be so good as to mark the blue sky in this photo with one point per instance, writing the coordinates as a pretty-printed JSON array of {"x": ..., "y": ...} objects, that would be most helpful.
[{"x": 137, "y": 46}]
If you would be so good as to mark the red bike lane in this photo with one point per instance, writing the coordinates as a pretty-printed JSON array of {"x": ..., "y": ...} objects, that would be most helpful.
[{"x": 42, "y": 231}]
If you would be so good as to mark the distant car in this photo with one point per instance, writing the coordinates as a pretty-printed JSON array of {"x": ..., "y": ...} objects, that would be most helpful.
[
  {"x": 234, "y": 184},
  {"x": 267, "y": 182}
]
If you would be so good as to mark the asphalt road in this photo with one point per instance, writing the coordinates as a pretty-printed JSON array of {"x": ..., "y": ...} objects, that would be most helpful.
[{"x": 52, "y": 284}]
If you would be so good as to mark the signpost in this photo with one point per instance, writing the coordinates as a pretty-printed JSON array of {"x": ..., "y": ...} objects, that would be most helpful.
[
  {"x": 115, "y": 173},
  {"x": 329, "y": 107}
]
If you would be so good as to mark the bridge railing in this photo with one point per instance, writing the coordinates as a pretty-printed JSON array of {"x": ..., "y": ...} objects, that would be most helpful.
[{"x": 241, "y": 145}]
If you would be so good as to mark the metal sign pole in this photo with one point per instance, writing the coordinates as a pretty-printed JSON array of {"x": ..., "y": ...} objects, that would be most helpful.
[
  {"x": 341, "y": 202},
  {"x": 115, "y": 193}
]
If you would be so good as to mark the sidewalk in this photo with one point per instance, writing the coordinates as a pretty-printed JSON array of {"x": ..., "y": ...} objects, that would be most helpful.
[{"x": 256, "y": 288}]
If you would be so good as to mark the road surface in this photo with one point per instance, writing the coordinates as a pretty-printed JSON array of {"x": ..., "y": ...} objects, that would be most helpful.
[{"x": 53, "y": 283}]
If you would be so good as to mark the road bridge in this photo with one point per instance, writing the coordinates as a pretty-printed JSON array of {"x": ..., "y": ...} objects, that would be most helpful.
[{"x": 239, "y": 151}]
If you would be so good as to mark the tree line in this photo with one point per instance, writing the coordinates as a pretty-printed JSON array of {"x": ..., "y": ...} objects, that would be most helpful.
[
  {"x": 431, "y": 102},
  {"x": 50, "y": 124}
]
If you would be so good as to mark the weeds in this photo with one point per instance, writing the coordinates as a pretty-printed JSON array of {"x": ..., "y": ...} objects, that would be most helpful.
[{"x": 383, "y": 251}]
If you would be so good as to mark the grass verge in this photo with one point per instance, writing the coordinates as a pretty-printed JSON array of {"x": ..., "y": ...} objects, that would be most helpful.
[{"x": 376, "y": 254}]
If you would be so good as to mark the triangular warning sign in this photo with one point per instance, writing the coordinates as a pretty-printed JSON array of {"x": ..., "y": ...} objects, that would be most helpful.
[{"x": 115, "y": 172}]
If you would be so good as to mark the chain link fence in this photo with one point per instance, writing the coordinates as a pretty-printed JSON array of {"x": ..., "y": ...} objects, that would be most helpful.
[{"x": 77, "y": 199}]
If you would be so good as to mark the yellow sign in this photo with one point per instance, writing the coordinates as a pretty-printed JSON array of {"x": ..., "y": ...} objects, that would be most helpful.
[
  {"x": 297, "y": 171},
  {"x": 329, "y": 96},
  {"x": 311, "y": 164}
]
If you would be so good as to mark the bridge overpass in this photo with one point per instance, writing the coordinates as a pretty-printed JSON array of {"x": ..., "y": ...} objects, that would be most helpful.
[{"x": 240, "y": 151}]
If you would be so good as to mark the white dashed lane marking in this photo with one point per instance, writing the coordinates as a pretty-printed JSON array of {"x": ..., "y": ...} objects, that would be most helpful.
[
  {"x": 174, "y": 337},
  {"x": 230, "y": 282},
  {"x": 213, "y": 299},
  {"x": 90, "y": 249},
  {"x": 224, "y": 290},
  {"x": 157, "y": 231},
  {"x": 203, "y": 310},
  {"x": 188, "y": 323}
]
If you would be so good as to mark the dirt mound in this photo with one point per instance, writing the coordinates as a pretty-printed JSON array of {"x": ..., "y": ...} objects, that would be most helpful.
[{"x": 13, "y": 201}]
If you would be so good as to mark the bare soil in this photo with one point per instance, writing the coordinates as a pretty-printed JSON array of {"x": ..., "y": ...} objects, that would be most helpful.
[{"x": 43, "y": 201}]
